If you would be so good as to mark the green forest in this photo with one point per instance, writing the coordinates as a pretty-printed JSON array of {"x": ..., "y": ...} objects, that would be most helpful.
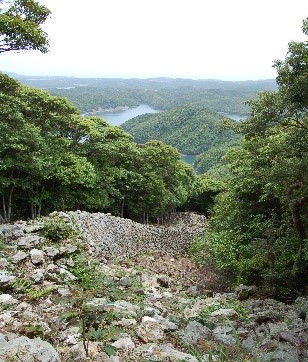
[
  {"x": 255, "y": 182},
  {"x": 90, "y": 94},
  {"x": 191, "y": 129},
  {"x": 54, "y": 158}
]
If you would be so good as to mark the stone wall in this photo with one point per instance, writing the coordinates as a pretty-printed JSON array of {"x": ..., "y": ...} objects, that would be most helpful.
[
  {"x": 114, "y": 237},
  {"x": 110, "y": 237}
]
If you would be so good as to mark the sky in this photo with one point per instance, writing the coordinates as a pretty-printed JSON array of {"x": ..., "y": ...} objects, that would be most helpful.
[{"x": 198, "y": 39}]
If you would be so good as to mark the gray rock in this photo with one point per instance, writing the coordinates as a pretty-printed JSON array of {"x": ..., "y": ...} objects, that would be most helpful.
[
  {"x": 290, "y": 338},
  {"x": 10, "y": 232},
  {"x": 19, "y": 256},
  {"x": 126, "y": 281},
  {"x": 125, "y": 343},
  {"x": 68, "y": 249},
  {"x": 165, "y": 352},
  {"x": 166, "y": 325},
  {"x": 245, "y": 291},
  {"x": 32, "y": 228},
  {"x": 5, "y": 278},
  {"x": 195, "y": 332},
  {"x": 7, "y": 299},
  {"x": 122, "y": 307},
  {"x": 150, "y": 330},
  {"x": 126, "y": 322},
  {"x": 38, "y": 275},
  {"x": 29, "y": 241},
  {"x": 150, "y": 311},
  {"x": 53, "y": 269},
  {"x": 66, "y": 275},
  {"x": 224, "y": 312},
  {"x": 114, "y": 237},
  {"x": 64, "y": 292},
  {"x": 164, "y": 281},
  {"x": 28, "y": 350},
  {"x": 193, "y": 291},
  {"x": 284, "y": 353},
  {"x": 224, "y": 334},
  {"x": 3, "y": 263},
  {"x": 168, "y": 353},
  {"x": 37, "y": 256},
  {"x": 51, "y": 251},
  {"x": 97, "y": 304}
]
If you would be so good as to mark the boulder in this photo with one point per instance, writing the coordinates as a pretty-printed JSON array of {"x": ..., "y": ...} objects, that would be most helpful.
[
  {"x": 18, "y": 257},
  {"x": 150, "y": 330},
  {"x": 29, "y": 241},
  {"x": 195, "y": 332},
  {"x": 28, "y": 350},
  {"x": 125, "y": 343},
  {"x": 37, "y": 256},
  {"x": 5, "y": 278},
  {"x": 243, "y": 292}
]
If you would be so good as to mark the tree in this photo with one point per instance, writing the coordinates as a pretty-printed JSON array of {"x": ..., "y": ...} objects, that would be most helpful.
[
  {"x": 258, "y": 230},
  {"x": 20, "y": 26}
]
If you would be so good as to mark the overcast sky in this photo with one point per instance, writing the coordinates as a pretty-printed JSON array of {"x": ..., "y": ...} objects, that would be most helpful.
[{"x": 217, "y": 39}]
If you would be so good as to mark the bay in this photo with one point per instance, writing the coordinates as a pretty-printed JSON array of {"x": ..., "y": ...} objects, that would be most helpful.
[
  {"x": 235, "y": 117},
  {"x": 117, "y": 118},
  {"x": 190, "y": 159}
]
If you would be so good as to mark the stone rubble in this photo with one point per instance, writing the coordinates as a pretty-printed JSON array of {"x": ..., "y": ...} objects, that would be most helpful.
[{"x": 150, "y": 316}]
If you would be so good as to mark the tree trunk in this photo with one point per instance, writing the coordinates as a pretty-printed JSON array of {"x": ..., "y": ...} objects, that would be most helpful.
[
  {"x": 294, "y": 206},
  {"x": 32, "y": 210},
  {"x": 122, "y": 208},
  {"x": 39, "y": 209},
  {"x": 4, "y": 209},
  {"x": 9, "y": 206}
]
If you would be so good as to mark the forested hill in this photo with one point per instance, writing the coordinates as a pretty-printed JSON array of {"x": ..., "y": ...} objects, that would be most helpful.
[
  {"x": 149, "y": 83},
  {"x": 191, "y": 130},
  {"x": 89, "y": 94}
]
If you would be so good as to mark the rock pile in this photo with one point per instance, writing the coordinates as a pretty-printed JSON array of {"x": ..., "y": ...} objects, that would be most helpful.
[
  {"x": 115, "y": 237},
  {"x": 132, "y": 314}
]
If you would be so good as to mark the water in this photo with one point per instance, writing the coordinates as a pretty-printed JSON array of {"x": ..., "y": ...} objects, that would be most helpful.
[
  {"x": 235, "y": 117},
  {"x": 190, "y": 159},
  {"x": 116, "y": 119}
]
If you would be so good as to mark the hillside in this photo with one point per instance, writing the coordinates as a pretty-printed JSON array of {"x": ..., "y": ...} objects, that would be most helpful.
[
  {"x": 192, "y": 130},
  {"x": 66, "y": 297},
  {"x": 89, "y": 94}
]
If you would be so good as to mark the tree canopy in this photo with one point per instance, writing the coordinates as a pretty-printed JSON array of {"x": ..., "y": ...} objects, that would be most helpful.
[
  {"x": 191, "y": 129},
  {"x": 20, "y": 26},
  {"x": 259, "y": 224},
  {"x": 51, "y": 157}
]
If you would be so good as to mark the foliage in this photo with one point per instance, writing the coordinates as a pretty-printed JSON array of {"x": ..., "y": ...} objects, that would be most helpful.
[
  {"x": 92, "y": 282},
  {"x": 34, "y": 331},
  {"x": 22, "y": 284},
  {"x": 203, "y": 194},
  {"x": 258, "y": 230},
  {"x": 237, "y": 306},
  {"x": 57, "y": 229},
  {"x": 161, "y": 94},
  {"x": 213, "y": 156},
  {"x": 89, "y": 277},
  {"x": 20, "y": 26},
  {"x": 25, "y": 286},
  {"x": 191, "y": 129},
  {"x": 219, "y": 352},
  {"x": 36, "y": 293},
  {"x": 52, "y": 158}
]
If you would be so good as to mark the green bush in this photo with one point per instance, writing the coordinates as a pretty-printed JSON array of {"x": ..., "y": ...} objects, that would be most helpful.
[{"x": 57, "y": 229}]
